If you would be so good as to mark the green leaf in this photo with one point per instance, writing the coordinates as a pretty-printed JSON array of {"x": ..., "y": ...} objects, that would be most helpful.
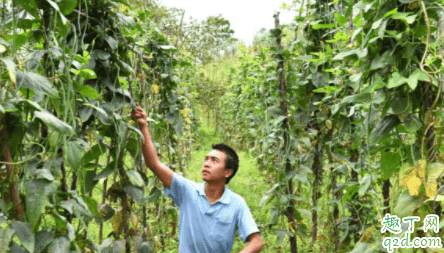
[
  {"x": 124, "y": 3},
  {"x": 107, "y": 242},
  {"x": 44, "y": 174},
  {"x": 30, "y": 6},
  {"x": 30, "y": 104},
  {"x": 326, "y": 89},
  {"x": 56, "y": 7},
  {"x": 37, "y": 192},
  {"x": 76, "y": 204},
  {"x": 3, "y": 207},
  {"x": 125, "y": 20},
  {"x": 363, "y": 247},
  {"x": 358, "y": 98},
  {"x": 24, "y": 233},
  {"x": 5, "y": 237},
  {"x": 43, "y": 239},
  {"x": 35, "y": 82},
  {"x": 407, "y": 204},
  {"x": 381, "y": 61},
  {"x": 111, "y": 42},
  {"x": 90, "y": 92},
  {"x": 167, "y": 47},
  {"x": 390, "y": 163},
  {"x": 185, "y": 63},
  {"x": 67, "y": 6},
  {"x": 108, "y": 170},
  {"x": 102, "y": 115},
  {"x": 106, "y": 211},
  {"x": 144, "y": 14},
  {"x": 263, "y": 200},
  {"x": 84, "y": 112},
  {"x": 384, "y": 126},
  {"x": 102, "y": 55},
  {"x": 398, "y": 80},
  {"x": 9, "y": 107},
  {"x": 364, "y": 184},
  {"x": 392, "y": 12},
  {"x": 95, "y": 152},
  {"x": 10, "y": 66},
  {"x": 119, "y": 245},
  {"x": 14, "y": 247},
  {"x": 154, "y": 195},
  {"x": 93, "y": 206},
  {"x": 434, "y": 171},
  {"x": 376, "y": 24},
  {"x": 135, "y": 178},
  {"x": 178, "y": 126},
  {"x": 405, "y": 17},
  {"x": 146, "y": 247},
  {"x": 74, "y": 154},
  {"x": 53, "y": 122},
  {"x": 90, "y": 183},
  {"x": 340, "y": 19},
  {"x": 360, "y": 53},
  {"x": 134, "y": 192},
  {"x": 323, "y": 26},
  {"x": 412, "y": 123},
  {"x": 419, "y": 75},
  {"x": 137, "y": 130},
  {"x": 59, "y": 245}
]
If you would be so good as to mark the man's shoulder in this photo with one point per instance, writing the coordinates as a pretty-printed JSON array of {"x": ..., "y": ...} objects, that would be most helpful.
[
  {"x": 183, "y": 180},
  {"x": 236, "y": 199}
]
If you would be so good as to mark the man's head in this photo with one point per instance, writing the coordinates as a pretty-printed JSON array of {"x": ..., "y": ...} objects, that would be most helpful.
[{"x": 222, "y": 162}]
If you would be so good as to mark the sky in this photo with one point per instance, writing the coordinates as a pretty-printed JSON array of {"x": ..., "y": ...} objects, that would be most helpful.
[{"x": 246, "y": 16}]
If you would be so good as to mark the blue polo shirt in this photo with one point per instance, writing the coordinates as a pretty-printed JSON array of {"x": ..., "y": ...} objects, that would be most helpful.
[{"x": 209, "y": 228}]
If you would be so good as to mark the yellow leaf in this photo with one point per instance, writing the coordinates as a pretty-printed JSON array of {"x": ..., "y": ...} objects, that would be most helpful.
[
  {"x": 117, "y": 222},
  {"x": 406, "y": 172},
  {"x": 135, "y": 222},
  {"x": 2, "y": 49},
  {"x": 12, "y": 75},
  {"x": 367, "y": 236},
  {"x": 413, "y": 185},
  {"x": 422, "y": 169},
  {"x": 155, "y": 88},
  {"x": 431, "y": 189}
]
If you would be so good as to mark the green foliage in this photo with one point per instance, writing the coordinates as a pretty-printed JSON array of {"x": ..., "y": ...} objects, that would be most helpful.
[
  {"x": 345, "y": 67},
  {"x": 65, "y": 104}
]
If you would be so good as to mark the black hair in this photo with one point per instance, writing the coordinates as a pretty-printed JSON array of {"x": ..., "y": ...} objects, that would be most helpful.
[{"x": 232, "y": 161}]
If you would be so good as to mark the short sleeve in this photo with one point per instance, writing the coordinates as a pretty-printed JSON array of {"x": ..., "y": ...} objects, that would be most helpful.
[
  {"x": 179, "y": 189},
  {"x": 245, "y": 224}
]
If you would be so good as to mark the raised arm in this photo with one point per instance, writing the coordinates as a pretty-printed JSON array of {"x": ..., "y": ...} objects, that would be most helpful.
[{"x": 164, "y": 173}]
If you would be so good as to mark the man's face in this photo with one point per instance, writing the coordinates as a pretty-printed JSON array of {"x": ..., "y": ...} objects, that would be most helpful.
[{"x": 213, "y": 169}]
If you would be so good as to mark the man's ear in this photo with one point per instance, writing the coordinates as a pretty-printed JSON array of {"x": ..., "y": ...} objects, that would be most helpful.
[{"x": 228, "y": 172}]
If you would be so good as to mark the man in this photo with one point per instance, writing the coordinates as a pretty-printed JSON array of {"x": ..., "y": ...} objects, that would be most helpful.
[{"x": 209, "y": 212}]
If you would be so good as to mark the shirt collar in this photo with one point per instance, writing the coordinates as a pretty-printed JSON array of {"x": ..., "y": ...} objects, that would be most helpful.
[{"x": 225, "y": 199}]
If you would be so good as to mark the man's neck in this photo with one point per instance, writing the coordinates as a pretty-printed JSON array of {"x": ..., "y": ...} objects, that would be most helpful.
[{"x": 214, "y": 191}]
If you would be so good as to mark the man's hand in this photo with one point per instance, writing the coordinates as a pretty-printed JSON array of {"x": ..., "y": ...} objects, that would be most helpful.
[
  {"x": 254, "y": 244},
  {"x": 139, "y": 116}
]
